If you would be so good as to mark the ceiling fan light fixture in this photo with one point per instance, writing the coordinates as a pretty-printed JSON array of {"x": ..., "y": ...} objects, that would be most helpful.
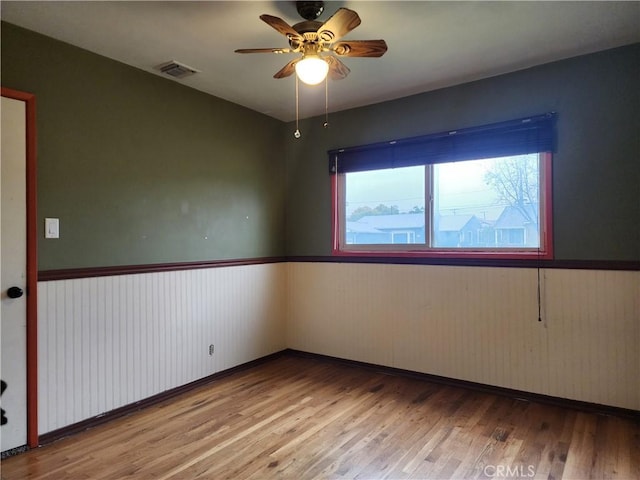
[{"x": 312, "y": 69}]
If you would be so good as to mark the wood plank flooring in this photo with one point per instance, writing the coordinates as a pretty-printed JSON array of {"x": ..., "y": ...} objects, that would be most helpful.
[{"x": 301, "y": 418}]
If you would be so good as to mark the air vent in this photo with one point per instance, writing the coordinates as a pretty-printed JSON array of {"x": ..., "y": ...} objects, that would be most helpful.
[{"x": 176, "y": 69}]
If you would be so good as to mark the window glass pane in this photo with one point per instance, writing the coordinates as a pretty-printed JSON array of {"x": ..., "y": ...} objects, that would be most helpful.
[
  {"x": 385, "y": 206},
  {"x": 490, "y": 203}
]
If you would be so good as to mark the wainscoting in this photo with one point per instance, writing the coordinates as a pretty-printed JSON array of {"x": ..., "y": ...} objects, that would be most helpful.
[
  {"x": 106, "y": 342},
  {"x": 110, "y": 341},
  {"x": 478, "y": 324}
]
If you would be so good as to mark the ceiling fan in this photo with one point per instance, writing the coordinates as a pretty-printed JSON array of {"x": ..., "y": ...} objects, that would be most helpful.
[{"x": 317, "y": 43}]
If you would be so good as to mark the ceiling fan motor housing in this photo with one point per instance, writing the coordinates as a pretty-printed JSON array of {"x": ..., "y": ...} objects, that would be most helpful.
[{"x": 310, "y": 10}]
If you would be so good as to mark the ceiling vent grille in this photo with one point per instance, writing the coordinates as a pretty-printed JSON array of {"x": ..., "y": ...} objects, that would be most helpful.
[{"x": 177, "y": 69}]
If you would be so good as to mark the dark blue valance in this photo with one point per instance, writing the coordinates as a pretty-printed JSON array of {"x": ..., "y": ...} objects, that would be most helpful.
[{"x": 513, "y": 137}]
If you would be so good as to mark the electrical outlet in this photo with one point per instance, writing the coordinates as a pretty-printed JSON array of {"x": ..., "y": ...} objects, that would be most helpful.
[{"x": 211, "y": 348}]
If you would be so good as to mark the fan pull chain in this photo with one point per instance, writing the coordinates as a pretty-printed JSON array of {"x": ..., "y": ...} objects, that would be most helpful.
[
  {"x": 539, "y": 290},
  {"x": 297, "y": 133},
  {"x": 326, "y": 102},
  {"x": 539, "y": 297}
]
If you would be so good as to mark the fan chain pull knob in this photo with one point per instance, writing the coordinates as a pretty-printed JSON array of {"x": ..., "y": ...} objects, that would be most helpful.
[{"x": 297, "y": 134}]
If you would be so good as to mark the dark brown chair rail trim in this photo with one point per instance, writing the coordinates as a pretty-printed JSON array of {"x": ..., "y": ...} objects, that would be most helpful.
[
  {"x": 73, "y": 273},
  {"x": 478, "y": 262}
]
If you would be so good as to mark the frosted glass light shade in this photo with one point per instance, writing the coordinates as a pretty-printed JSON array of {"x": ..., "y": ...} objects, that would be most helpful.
[{"x": 312, "y": 70}]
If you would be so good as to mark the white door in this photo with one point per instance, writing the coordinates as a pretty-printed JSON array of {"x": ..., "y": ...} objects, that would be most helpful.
[{"x": 13, "y": 260}]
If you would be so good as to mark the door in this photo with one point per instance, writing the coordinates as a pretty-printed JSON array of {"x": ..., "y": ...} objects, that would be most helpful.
[{"x": 14, "y": 271}]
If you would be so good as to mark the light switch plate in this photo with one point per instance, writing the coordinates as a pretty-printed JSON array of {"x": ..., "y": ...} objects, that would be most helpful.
[{"x": 51, "y": 228}]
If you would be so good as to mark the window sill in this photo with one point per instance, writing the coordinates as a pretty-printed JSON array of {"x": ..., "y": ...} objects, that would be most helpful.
[{"x": 458, "y": 254}]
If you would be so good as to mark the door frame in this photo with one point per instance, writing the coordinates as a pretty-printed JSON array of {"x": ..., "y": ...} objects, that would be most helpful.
[{"x": 32, "y": 262}]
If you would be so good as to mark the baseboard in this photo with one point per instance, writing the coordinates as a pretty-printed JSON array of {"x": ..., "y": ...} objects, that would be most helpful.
[
  {"x": 480, "y": 387},
  {"x": 78, "y": 427}
]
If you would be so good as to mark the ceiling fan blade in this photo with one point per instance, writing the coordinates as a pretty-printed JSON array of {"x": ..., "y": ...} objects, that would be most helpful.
[
  {"x": 360, "y": 48},
  {"x": 263, "y": 50},
  {"x": 340, "y": 23},
  {"x": 288, "y": 69},
  {"x": 281, "y": 26},
  {"x": 337, "y": 69}
]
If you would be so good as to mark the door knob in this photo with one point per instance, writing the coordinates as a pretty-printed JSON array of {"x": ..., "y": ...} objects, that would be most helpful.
[{"x": 15, "y": 292}]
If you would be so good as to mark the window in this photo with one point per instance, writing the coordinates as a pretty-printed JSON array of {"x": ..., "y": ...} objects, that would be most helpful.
[{"x": 484, "y": 191}]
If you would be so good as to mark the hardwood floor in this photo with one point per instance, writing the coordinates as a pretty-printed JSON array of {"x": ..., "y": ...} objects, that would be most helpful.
[{"x": 301, "y": 418}]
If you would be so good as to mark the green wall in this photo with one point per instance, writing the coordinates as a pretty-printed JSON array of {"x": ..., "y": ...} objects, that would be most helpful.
[
  {"x": 596, "y": 170},
  {"x": 141, "y": 169}
]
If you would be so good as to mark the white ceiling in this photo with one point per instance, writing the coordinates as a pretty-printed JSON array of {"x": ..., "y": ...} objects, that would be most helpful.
[{"x": 431, "y": 44}]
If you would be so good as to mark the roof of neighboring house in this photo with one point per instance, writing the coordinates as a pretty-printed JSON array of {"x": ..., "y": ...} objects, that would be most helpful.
[
  {"x": 511, "y": 217},
  {"x": 453, "y": 223},
  {"x": 357, "y": 227},
  {"x": 393, "y": 222}
]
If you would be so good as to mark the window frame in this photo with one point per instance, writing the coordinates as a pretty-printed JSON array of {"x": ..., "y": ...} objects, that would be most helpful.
[{"x": 544, "y": 251}]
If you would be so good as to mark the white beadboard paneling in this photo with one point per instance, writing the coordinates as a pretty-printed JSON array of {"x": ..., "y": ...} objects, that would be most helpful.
[
  {"x": 477, "y": 324},
  {"x": 594, "y": 335},
  {"x": 333, "y": 311},
  {"x": 110, "y": 341}
]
